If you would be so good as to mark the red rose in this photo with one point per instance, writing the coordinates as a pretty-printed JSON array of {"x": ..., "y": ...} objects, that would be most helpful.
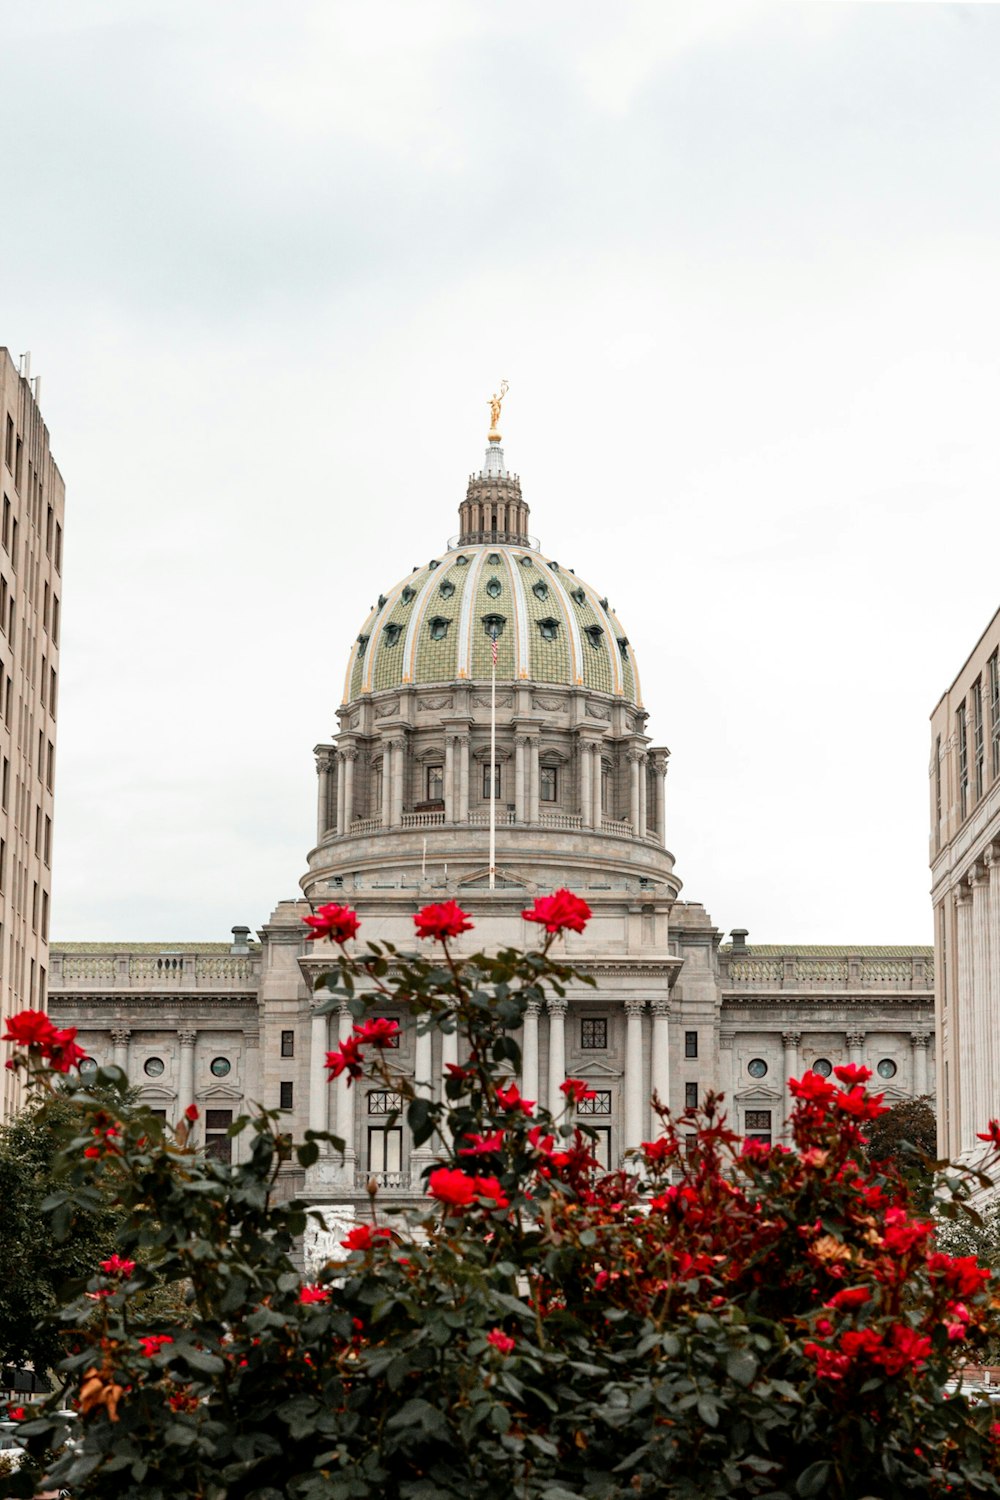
[
  {"x": 501, "y": 1341},
  {"x": 510, "y": 1098},
  {"x": 576, "y": 1090},
  {"x": 62, "y": 1051},
  {"x": 448, "y": 1185},
  {"x": 152, "y": 1343},
  {"x": 560, "y": 910},
  {"x": 482, "y": 1144},
  {"x": 364, "y": 1237},
  {"x": 16, "y": 1414},
  {"x": 444, "y": 920},
  {"x": 381, "y": 1032},
  {"x": 489, "y": 1187},
  {"x": 29, "y": 1028},
  {"x": 347, "y": 1059},
  {"x": 962, "y": 1274},
  {"x": 191, "y": 1113},
  {"x": 313, "y": 1293},
  {"x": 992, "y": 1133},
  {"x": 852, "y": 1073},
  {"x": 812, "y": 1087},
  {"x": 116, "y": 1266},
  {"x": 336, "y": 922},
  {"x": 850, "y": 1296}
]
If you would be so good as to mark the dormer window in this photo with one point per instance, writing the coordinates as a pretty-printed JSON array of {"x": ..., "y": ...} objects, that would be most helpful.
[
  {"x": 494, "y": 588},
  {"x": 578, "y": 596},
  {"x": 554, "y": 566},
  {"x": 438, "y": 627},
  {"x": 381, "y": 601},
  {"x": 494, "y": 559},
  {"x": 593, "y": 634},
  {"x": 623, "y": 646},
  {"x": 604, "y": 605},
  {"x": 392, "y": 633},
  {"x": 433, "y": 564},
  {"x": 408, "y": 595},
  {"x": 540, "y": 590},
  {"x": 461, "y": 560},
  {"x": 549, "y": 628},
  {"x": 446, "y": 588},
  {"x": 526, "y": 562},
  {"x": 362, "y": 643},
  {"x": 494, "y": 625}
]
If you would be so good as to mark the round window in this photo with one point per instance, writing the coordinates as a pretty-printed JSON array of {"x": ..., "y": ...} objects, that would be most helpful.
[
  {"x": 153, "y": 1067},
  {"x": 887, "y": 1068},
  {"x": 88, "y": 1065},
  {"x": 756, "y": 1067},
  {"x": 220, "y": 1066},
  {"x": 823, "y": 1066}
]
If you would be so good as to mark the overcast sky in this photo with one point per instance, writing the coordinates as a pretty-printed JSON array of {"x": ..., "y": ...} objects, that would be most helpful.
[{"x": 739, "y": 265}]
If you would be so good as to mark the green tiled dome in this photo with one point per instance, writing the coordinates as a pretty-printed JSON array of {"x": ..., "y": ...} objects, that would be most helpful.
[{"x": 435, "y": 627}]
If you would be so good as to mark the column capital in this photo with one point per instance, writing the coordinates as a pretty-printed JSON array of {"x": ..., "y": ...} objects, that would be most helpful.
[
  {"x": 349, "y": 753},
  {"x": 187, "y": 1038},
  {"x": 791, "y": 1038},
  {"x": 920, "y": 1038},
  {"x": 659, "y": 1007},
  {"x": 979, "y": 874},
  {"x": 520, "y": 740},
  {"x": 325, "y": 761},
  {"x": 532, "y": 1009},
  {"x": 634, "y": 1006},
  {"x": 855, "y": 1038},
  {"x": 726, "y": 1040},
  {"x": 120, "y": 1035},
  {"x": 633, "y": 753},
  {"x": 961, "y": 894},
  {"x": 395, "y": 741},
  {"x": 557, "y": 1005}
]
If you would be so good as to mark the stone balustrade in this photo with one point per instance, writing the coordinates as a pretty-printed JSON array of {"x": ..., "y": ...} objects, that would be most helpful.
[
  {"x": 125, "y": 971},
  {"x": 844, "y": 971}
]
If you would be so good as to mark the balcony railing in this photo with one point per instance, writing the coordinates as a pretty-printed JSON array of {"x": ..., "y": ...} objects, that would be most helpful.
[
  {"x": 423, "y": 820},
  {"x": 560, "y": 820},
  {"x": 479, "y": 817},
  {"x": 622, "y": 830},
  {"x": 399, "y": 1181}
]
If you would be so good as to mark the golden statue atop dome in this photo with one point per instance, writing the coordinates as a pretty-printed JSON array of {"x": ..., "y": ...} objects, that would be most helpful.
[{"x": 496, "y": 401}]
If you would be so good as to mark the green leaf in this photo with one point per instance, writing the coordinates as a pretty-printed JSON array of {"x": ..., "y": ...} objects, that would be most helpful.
[
  {"x": 813, "y": 1481},
  {"x": 741, "y": 1366}
]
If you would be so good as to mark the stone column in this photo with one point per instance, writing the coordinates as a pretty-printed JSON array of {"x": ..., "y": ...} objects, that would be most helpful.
[
  {"x": 633, "y": 766},
  {"x": 660, "y": 784},
  {"x": 660, "y": 1060},
  {"x": 398, "y": 773},
  {"x": 345, "y": 1100},
  {"x": 533, "y": 780},
  {"x": 319, "y": 1110},
  {"x": 463, "y": 778},
  {"x": 556, "y": 1007},
  {"x": 643, "y": 789},
  {"x": 790, "y": 1041},
  {"x": 634, "y": 1091},
  {"x": 598, "y": 783},
  {"x": 185, "y": 1092},
  {"x": 529, "y": 1051},
  {"x": 520, "y": 791},
  {"x": 983, "y": 1092},
  {"x": 992, "y": 862},
  {"x": 450, "y": 799},
  {"x": 585, "y": 761},
  {"x": 386, "y": 783},
  {"x": 423, "y": 1064},
  {"x": 350, "y": 756},
  {"x": 120, "y": 1036},
  {"x": 323, "y": 770},
  {"x": 919, "y": 1043},
  {"x": 856, "y": 1048},
  {"x": 967, "y": 1125},
  {"x": 449, "y": 1050},
  {"x": 342, "y": 824}
]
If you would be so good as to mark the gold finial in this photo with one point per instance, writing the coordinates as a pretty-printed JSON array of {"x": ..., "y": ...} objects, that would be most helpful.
[{"x": 496, "y": 402}]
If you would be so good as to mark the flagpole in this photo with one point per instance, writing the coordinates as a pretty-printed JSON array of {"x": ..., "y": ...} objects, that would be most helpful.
[{"x": 493, "y": 768}]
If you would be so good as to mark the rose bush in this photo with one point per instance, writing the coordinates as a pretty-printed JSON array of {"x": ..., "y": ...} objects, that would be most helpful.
[{"x": 721, "y": 1319}]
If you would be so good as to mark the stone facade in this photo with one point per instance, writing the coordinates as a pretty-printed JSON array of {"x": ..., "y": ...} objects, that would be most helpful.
[
  {"x": 965, "y": 868},
  {"x": 31, "y": 531},
  {"x": 404, "y": 797}
]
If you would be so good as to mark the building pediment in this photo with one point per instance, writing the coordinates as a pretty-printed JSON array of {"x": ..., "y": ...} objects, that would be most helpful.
[
  {"x": 760, "y": 1093},
  {"x": 506, "y": 879}
]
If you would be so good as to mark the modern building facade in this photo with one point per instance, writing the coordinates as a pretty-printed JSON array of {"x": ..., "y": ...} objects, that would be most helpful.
[
  {"x": 31, "y": 532},
  {"x": 965, "y": 884},
  {"x": 403, "y": 807}
]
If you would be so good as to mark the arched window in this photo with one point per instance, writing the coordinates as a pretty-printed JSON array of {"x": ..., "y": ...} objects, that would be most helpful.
[
  {"x": 549, "y": 628},
  {"x": 438, "y": 627}
]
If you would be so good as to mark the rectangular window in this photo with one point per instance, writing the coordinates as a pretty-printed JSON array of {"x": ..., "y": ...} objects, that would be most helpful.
[
  {"x": 963, "y": 761},
  {"x": 384, "y": 1102},
  {"x": 49, "y": 518},
  {"x": 43, "y": 684},
  {"x": 435, "y": 783},
  {"x": 757, "y": 1125},
  {"x": 593, "y": 1033},
  {"x": 47, "y": 852},
  {"x": 599, "y": 1105},
  {"x": 690, "y": 1096},
  {"x": 690, "y": 1044},
  {"x": 50, "y": 769},
  {"x": 286, "y": 1095},
  {"x": 55, "y": 620},
  {"x": 38, "y": 830},
  {"x": 5, "y": 532},
  {"x": 45, "y": 916},
  {"x": 937, "y": 792},
  {"x": 34, "y": 906},
  {"x": 288, "y": 1044},
  {"x": 3, "y": 865},
  {"x": 977, "y": 739},
  {"x": 8, "y": 452},
  {"x": 13, "y": 544},
  {"x": 58, "y": 557},
  {"x": 18, "y": 457},
  {"x": 41, "y": 754},
  {"x": 4, "y": 604},
  {"x": 385, "y": 1152},
  {"x": 218, "y": 1142},
  {"x": 600, "y": 1146},
  {"x": 5, "y": 788},
  {"x": 52, "y": 691},
  {"x": 547, "y": 783},
  {"x": 496, "y": 781},
  {"x": 45, "y": 606}
]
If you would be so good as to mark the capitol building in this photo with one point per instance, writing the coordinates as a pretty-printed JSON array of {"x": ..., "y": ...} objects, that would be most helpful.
[{"x": 578, "y": 790}]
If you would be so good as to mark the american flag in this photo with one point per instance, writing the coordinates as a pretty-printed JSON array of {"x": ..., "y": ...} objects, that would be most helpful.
[{"x": 494, "y": 649}]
